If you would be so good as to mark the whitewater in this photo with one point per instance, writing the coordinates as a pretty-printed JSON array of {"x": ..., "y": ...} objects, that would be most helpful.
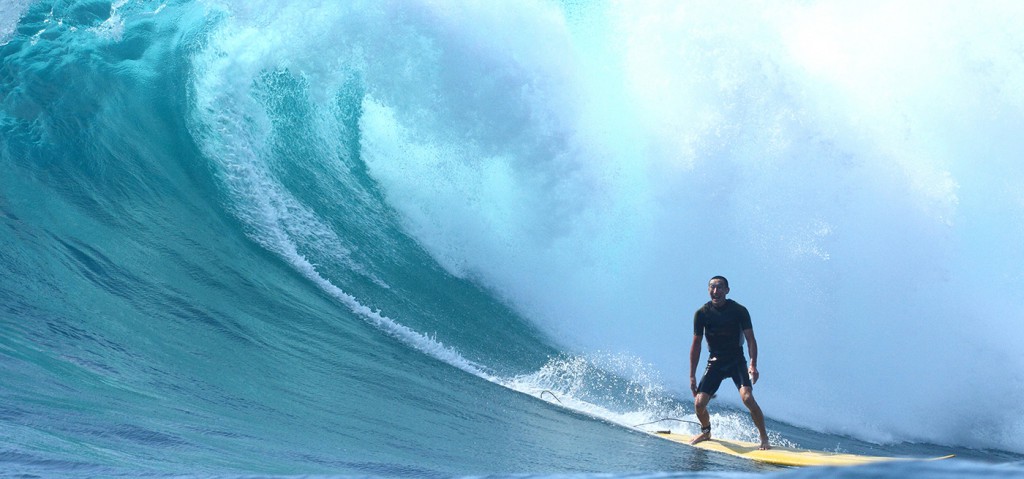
[{"x": 456, "y": 238}]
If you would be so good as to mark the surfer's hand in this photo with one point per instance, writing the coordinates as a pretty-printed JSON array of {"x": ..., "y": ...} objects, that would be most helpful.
[
  {"x": 753, "y": 374},
  {"x": 693, "y": 386}
]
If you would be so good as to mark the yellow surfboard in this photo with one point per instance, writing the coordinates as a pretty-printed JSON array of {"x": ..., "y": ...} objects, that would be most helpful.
[{"x": 784, "y": 456}]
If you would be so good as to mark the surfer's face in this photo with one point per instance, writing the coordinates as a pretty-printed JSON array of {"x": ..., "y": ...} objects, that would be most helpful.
[{"x": 717, "y": 289}]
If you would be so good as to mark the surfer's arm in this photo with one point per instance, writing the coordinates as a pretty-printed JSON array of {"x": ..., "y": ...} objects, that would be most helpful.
[
  {"x": 752, "y": 350},
  {"x": 694, "y": 359}
]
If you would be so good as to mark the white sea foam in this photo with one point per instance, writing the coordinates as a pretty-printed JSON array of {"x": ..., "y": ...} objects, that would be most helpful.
[
  {"x": 11, "y": 12},
  {"x": 624, "y": 390}
]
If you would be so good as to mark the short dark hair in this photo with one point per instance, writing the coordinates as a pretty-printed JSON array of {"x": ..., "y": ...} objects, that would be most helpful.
[{"x": 721, "y": 278}]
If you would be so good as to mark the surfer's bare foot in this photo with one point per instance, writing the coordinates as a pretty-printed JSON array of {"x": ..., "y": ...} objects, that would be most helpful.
[
  {"x": 764, "y": 445},
  {"x": 705, "y": 434}
]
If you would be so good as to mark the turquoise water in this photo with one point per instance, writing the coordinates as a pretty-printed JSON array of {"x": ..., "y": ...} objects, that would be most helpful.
[{"x": 412, "y": 239}]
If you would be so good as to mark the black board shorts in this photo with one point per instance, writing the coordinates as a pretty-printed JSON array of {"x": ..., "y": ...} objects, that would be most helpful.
[{"x": 718, "y": 370}]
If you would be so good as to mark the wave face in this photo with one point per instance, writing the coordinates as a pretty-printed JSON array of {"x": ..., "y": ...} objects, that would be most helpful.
[{"x": 303, "y": 237}]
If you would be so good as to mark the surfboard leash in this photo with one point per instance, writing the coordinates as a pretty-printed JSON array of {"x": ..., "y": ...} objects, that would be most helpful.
[
  {"x": 541, "y": 396},
  {"x": 552, "y": 395},
  {"x": 668, "y": 419}
]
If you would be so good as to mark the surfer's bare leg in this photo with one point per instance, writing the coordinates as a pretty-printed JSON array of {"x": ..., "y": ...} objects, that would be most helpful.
[
  {"x": 747, "y": 395},
  {"x": 700, "y": 406}
]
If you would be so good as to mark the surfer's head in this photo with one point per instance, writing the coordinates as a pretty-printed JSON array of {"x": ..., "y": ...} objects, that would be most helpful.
[{"x": 718, "y": 287}]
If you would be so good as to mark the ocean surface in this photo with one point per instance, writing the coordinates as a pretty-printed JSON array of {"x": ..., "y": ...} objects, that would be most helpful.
[{"x": 269, "y": 238}]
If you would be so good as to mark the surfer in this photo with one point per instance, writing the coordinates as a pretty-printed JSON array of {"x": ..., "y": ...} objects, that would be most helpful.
[{"x": 725, "y": 323}]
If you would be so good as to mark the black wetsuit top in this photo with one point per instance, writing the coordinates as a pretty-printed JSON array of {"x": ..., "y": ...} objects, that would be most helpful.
[{"x": 723, "y": 327}]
